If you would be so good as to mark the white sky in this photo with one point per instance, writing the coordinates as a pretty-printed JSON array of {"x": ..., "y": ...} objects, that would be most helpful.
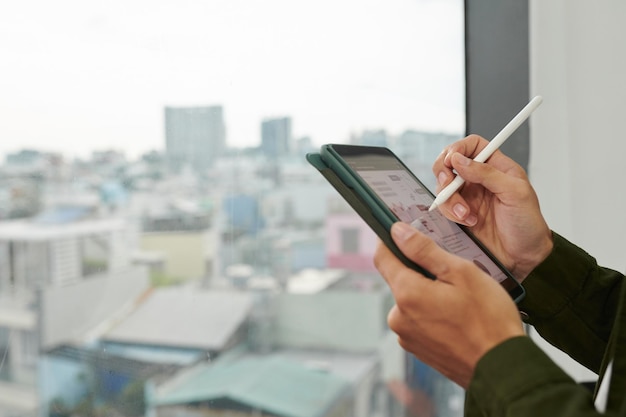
[{"x": 80, "y": 75}]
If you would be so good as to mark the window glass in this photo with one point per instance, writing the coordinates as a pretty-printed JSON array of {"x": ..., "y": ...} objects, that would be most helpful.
[{"x": 164, "y": 246}]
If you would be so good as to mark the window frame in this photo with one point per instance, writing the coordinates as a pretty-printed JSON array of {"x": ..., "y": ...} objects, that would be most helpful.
[{"x": 497, "y": 71}]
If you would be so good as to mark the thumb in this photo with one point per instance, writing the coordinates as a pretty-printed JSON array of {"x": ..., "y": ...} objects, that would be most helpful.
[{"x": 423, "y": 250}]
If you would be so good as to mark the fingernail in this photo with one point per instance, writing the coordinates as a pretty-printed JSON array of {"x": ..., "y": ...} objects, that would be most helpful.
[
  {"x": 461, "y": 159},
  {"x": 402, "y": 231},
  {"x": 459, "y": 210},
  {"x": 441, "y": 178},
  {"x": 471, "y": 220}
]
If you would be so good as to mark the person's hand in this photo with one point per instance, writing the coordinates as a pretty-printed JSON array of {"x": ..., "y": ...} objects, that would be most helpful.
[
  {"x": 497, "y": 202},
  {"x": 451, "y": 322}
]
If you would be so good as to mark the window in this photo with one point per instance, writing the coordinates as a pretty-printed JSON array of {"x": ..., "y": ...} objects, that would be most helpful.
[
  {"x": 188, "y": 247},
  {"x": 95, "y": 255},
  {"x": 350, "y": 241}
]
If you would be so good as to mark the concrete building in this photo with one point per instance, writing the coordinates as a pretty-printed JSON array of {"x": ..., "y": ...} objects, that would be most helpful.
[
  {"x": 58, "y": 280},
  {"x": 376, "y": 137},
  {"x": 148, "y": 341},
  {"x": 418, "y": 150},
  {"x": 194, "y": 137},
  {"x": 19, "y": 197},
  {"x": 313, "y": 354},
  {"x": 175, "y": 236},
  {"x": 276, "y": 137}
]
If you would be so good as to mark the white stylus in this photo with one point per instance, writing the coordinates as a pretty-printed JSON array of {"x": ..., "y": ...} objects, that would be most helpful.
[{"x": 491, "y": 147}]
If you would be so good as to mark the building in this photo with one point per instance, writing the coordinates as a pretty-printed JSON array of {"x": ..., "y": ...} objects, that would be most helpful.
[
  {"x": 276, "y": 137},
  {"x": 194, "y": 136},
  {"x": 59, "y": 278},
  {"x": 350, "y": 242},
  {"x": 371, "y": 138},
  {"x": 315, "y": 354},
  {"x": 146, "y": 341},
  {"x": 418, "y": 149},
  {"x": 19, "y": 197},
  {"x": 178, "y": 234},
  {"x": 253, "y": 386}
]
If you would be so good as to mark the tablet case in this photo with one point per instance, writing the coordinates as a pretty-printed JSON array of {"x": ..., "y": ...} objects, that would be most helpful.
[{"x": 363, "y": 210}]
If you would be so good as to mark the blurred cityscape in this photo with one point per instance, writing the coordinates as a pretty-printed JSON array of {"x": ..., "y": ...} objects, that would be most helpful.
[{"x": 202, "y": 280}]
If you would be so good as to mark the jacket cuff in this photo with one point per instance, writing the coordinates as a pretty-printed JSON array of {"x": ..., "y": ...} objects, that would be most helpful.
[
  {"x": 509, "y": 371},
  {"x": 554, "y": 283}
]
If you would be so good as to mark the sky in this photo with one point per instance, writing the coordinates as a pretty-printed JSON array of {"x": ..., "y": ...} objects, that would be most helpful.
[{"x": 83, "y": 75}]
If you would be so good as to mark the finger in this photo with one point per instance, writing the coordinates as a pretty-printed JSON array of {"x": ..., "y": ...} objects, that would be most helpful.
[
  {"x": 423, "y": 250},
  {"x": 457, "y": 209},
  {"x": 471, "y": 146},
  {"x": 442, "y": 168},
  {"x": 403, "y": 281},
  {"x": 443, "y": 174},
  {"x": 395, "y": 319},
  {"x": 497, "y": 182},
  {"x": 402, "y": 325},
  {"x": 387, "y": 263}
]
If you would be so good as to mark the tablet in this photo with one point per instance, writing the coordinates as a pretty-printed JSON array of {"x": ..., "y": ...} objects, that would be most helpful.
[{"x": 382, "y": 190}]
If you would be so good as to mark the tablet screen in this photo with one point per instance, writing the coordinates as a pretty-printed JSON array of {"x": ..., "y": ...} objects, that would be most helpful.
[{"x": 409, "y": 200}]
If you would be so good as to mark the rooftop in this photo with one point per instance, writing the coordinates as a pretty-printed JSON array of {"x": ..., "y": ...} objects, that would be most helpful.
[
  {"x": 26, "y": 230},
  {"x": 184, "y": 317},
  {"x": 271, "y": 384}
]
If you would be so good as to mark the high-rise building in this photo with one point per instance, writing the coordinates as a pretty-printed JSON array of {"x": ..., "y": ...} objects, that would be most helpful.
[
  {"x": 371, "y": 138},
  {"x": 276, "y": 136},
  {"x": 194, "y": 136}
]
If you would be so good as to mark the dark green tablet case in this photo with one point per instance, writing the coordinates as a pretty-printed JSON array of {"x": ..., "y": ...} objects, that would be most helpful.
[{"x": 363, "y": 210}]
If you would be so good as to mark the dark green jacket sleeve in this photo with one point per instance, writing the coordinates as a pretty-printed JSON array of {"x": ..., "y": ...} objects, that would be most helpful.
[
  {"x": 572, "y": 303},
  {"x": 517, "y": 379}
]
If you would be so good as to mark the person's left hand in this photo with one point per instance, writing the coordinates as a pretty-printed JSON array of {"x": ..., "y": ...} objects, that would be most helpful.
[{"x": 451, "y": 322}]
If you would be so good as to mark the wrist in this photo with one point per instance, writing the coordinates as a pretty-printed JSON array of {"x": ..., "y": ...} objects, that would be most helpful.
[{"x": 541, "y": 251}]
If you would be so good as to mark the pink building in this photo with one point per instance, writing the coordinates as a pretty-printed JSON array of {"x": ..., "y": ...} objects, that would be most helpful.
[{"x": 350, "y": 243}]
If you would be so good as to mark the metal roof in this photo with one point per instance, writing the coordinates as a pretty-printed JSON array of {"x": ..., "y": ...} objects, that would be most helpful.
[
  {"x": 184, "y": 317},
  {"x": 270, "y": 384}
]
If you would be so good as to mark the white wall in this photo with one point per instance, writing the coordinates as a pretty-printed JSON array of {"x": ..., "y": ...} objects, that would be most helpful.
[
  {"x": 334, "y": 320},
  {"x": 578, "y": 139},
  {"x": 69, "y": 313},
  {"x": 578, "y": 135}
]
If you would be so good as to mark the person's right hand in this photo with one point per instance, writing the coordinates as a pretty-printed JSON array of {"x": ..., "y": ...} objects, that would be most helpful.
[{"x": 497, "y": 202}]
